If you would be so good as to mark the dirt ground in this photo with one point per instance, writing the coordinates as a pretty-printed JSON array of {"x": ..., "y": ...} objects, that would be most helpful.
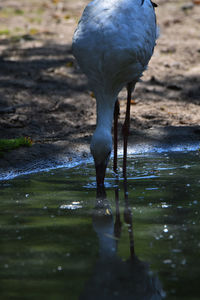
[{"x": 44, "y": 95}]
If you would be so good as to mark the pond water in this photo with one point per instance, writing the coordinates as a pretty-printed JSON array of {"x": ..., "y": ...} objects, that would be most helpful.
[{"x": 139, "y": 241}]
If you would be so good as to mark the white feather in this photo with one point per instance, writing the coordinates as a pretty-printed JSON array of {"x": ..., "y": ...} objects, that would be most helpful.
[{"x": 113, "y": 44}]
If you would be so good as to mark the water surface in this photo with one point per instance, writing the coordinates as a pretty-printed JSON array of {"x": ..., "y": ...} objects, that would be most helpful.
[{"x": 141, "y": 241}]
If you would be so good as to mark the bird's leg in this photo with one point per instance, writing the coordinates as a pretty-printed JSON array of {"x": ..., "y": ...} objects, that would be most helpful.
[
  {"x": 126, "y": 124},
  {"x": 116, "y": 116}
]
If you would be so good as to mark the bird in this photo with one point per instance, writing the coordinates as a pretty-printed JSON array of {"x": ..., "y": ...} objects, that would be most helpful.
[{"x": 113, "y": 43}]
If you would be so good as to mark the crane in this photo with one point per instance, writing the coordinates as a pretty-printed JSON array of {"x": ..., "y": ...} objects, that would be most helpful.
[{"x": 113, "y": 44}]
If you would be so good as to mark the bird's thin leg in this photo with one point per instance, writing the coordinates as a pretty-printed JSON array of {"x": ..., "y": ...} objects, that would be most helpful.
[
  {"x": 116, "y": 116},
  {"x": 126, "y": 125}
]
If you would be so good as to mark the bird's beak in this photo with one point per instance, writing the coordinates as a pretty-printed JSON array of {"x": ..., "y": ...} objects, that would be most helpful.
[{"x": 100, "y": 174}]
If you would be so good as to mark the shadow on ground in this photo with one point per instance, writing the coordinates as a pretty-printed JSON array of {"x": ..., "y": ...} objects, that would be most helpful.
[{"x": 49, "y": 100}]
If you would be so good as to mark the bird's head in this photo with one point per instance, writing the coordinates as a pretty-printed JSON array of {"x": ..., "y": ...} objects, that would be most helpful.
[{"x": 101, "y": 147}]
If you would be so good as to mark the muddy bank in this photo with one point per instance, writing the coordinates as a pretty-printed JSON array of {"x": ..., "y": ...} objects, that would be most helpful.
[
  {"x": 44, "y": 95},
  {"x": 65, "y": 154}
]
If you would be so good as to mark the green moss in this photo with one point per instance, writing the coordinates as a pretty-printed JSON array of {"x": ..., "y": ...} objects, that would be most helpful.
[
  {"x": 15, "y": 35},
  {"x": 11, "y": 144},
  {"x": 7, "y": 12},
  {"x": 19, "y": 12},
  {"x": 4, "y": 32}
]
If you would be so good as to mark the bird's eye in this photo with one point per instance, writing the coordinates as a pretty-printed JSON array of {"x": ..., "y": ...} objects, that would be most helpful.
[{"x": 154, "y": 4}]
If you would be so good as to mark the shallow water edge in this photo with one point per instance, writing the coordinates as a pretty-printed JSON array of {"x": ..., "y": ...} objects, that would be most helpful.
[{"x": 45, "y": 165}]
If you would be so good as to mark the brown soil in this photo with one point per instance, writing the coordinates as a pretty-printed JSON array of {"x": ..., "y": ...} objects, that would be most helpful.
[{"x": 44, "y": 95}]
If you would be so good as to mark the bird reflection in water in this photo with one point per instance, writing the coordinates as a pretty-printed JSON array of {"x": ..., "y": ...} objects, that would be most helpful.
[{"x": 114, "y": 278}]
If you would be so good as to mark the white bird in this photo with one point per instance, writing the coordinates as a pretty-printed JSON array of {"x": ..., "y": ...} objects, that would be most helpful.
[{"x": 113, "y": 44}]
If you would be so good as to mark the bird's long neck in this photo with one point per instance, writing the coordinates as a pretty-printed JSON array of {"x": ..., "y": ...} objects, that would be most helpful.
[{"x": 105, "y": 109}]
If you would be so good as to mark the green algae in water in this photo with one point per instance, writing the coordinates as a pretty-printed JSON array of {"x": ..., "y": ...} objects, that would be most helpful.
[{"x": 59, "y": 242}]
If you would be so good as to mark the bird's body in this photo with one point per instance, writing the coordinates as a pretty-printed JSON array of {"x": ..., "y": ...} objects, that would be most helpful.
[{"x": 113, "y": 44}]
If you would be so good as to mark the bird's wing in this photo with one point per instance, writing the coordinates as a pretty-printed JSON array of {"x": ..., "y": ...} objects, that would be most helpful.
[{"x": 115, "y": 39}]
